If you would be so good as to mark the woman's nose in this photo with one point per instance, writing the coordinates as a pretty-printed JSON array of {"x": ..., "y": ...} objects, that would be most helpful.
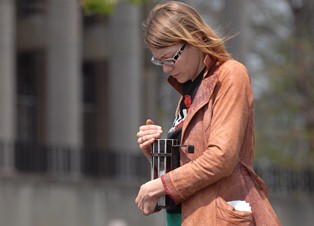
[{"x": 167, "y": 68}]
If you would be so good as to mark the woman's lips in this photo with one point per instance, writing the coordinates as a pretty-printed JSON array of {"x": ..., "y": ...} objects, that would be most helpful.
[{"x": 175, "y": 76}]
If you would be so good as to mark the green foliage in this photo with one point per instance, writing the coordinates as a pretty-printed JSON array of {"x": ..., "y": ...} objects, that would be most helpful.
[
  {"x": 284, "y": 120},
  {"x": 104, "y": 7},
  {"x": 283, "y": 41},
  {"x": 98, "y": 6},
  {"x": 137, "y": 1}
]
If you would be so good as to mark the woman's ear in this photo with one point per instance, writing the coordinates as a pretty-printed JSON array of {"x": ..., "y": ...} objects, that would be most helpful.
[{"x": 208, "y": 60}]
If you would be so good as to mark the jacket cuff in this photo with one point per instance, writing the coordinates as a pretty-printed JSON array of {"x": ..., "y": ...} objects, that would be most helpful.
[{"x": 163, "y": 180}]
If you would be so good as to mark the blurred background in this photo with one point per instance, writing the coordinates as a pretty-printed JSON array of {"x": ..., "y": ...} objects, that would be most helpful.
[{"x": 76, "y": 82}]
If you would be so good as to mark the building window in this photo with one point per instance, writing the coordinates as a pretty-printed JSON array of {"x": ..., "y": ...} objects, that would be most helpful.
[
  {"x": 30, "y": 154},
  {"x": 30, "y": 96},
  {"x": 27, "y": 8},
  {"x": 97, "y": 161},
  {"x": 94, "y": 102},
  {"x": 94, "y": 19},
  {"x": 90, "y": 104}
]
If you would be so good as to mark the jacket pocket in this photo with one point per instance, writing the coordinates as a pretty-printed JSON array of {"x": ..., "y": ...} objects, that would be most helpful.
[{"x": 226, "y": 215}]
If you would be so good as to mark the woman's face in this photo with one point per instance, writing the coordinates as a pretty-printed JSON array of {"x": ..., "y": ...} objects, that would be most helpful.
[{"x": 188, "y": 65}]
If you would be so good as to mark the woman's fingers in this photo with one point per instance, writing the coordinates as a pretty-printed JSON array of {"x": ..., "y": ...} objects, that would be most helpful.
[
  {"x": 149, "y": 127},
  {"x": 149, "y": 122},
  {"x": 147, "y": 135},
  {"x": 148, "y": 131},
  {"x": 145, "y": 201}
]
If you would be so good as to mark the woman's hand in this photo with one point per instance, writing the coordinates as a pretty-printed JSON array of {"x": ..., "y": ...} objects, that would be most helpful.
[
  {"x": 148, "y": 196},
  {"x": 147, "y": 135}
]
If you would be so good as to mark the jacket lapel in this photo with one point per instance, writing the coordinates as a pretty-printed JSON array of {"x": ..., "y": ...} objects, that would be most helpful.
[
  {"x": 201, "y": 98},
  {"x": 204, "y": 92}
]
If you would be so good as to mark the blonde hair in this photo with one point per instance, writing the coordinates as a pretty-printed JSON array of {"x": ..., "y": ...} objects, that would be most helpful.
[{"x": 176, "y": 22}]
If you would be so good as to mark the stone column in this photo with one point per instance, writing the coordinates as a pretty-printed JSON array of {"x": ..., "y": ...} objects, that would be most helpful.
[
  {"x": 7, "y": 70},
  {"x": 235, "y": 16},
  {"x": 64, "y": 81},
  {"x": 7, "y": 84},
  {"x": 125, "y": 77}
]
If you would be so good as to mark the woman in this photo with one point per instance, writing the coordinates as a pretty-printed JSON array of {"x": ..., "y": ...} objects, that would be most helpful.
[{"x": 215, "y": 114}]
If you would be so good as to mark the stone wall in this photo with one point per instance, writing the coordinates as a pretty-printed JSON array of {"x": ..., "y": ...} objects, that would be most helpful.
[{"x": 38, "y": 201}]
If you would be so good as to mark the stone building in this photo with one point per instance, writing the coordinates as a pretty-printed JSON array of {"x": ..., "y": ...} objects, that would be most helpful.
[
  {"x": 73, "y": 91},
  {"x": 71, "y": 104}
]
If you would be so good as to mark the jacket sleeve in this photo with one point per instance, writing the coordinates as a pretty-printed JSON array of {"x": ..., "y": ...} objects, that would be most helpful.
[{"x": 232, "y": 106}]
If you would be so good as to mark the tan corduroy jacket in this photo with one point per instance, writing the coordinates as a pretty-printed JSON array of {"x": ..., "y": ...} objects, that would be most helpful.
[{"x": 220, "y": 125}]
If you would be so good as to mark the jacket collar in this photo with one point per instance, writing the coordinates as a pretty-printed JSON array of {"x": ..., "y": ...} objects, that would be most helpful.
[{"x": 210, "y": 65}]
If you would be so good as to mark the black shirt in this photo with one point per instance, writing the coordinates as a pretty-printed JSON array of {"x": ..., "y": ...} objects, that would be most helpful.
[{"x": 189, "y": 90}]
